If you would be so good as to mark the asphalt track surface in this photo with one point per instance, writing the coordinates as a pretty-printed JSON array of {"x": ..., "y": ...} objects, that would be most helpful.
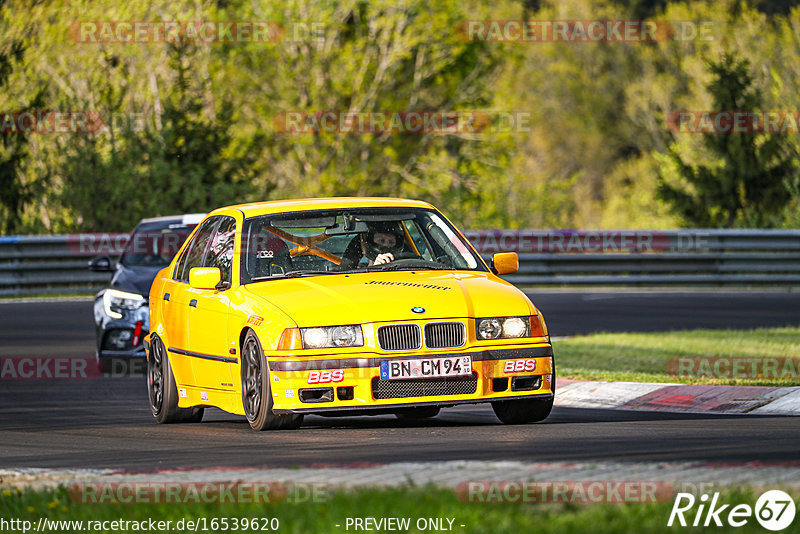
[{"x": 105, "y": 422}]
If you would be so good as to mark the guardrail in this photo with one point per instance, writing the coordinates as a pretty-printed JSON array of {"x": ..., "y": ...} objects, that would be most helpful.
[
  {"x": 648, "y": 257},
  {"x": 57, "y": 264}
]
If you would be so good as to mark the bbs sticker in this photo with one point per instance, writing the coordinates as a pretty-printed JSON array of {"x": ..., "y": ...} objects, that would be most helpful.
[
  {"x": 323, "y": 377},
  {"x": 518, "y": 366}
]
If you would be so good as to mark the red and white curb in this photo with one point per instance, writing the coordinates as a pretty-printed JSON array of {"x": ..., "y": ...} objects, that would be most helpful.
[{"x": 679, "y": 397}]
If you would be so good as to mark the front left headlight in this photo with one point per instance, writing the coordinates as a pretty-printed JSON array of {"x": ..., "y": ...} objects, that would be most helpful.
[
  {"x": 503, "y": 327},
  {"x": 332, "y": 337},
  {"x": 116, "y": 301}
]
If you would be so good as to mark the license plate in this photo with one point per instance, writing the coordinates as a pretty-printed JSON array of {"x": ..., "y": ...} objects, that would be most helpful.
[{"x": 426, "y": 367}]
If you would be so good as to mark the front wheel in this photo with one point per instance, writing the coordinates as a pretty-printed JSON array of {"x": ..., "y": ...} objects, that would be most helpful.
[
  {"x": 162, "y": 391},
  {"x": 518, "y": 412},
  {"x": 257, "y": 393}
]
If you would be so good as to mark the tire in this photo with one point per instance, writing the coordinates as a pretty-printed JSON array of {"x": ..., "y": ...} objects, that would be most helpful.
[
  {"x": 256, "y": 390},
  {"x": 161, "y": 389},
  {"x": 416, "y": 414},
  {"x": 518, "y": 412}
]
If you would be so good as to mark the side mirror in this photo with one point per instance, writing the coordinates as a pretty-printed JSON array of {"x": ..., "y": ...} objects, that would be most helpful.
[
  {"x": 205, "y": 277},
  {"x": 101, "y": 264},
  {"x": 505, "y": 262}
]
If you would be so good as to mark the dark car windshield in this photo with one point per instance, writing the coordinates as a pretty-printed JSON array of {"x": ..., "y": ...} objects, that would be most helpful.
[
  {"x": 349, "y": 240},
  {"x": 154, "y": 244}
]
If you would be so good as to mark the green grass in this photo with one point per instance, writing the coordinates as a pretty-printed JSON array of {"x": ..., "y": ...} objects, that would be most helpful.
[
  {"x": 414, "y": 503},
  {"x": 644, "y": 357}
]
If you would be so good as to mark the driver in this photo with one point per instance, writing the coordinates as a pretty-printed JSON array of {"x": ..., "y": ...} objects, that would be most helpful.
[{"x": 381, "y": 244}]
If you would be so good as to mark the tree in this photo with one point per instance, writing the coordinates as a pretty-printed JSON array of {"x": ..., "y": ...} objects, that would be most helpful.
[
  {"x": 15, "y": 193},
  {"x": 746, "y": 183},
  {"x": 186, "y": 162}
]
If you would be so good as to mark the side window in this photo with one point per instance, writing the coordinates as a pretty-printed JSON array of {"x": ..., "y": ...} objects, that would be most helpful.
[
  {"x": 195, "y": 251},
  {"x": 220, "y": 250}
]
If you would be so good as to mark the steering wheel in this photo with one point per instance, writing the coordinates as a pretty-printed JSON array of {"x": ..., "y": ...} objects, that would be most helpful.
[{"x": 405, "y": 256}]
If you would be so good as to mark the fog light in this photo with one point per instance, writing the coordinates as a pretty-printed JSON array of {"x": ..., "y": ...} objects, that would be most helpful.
[
  {"x": 345, "y": 393},
  {"x": 117, "y": 339}
]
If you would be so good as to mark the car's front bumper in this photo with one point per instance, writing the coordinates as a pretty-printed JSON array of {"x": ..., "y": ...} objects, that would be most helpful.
[
  {"x": 330, "y": 392},
  {"x": 137, "y": 352},
  {"x": 123, "y": 329}
]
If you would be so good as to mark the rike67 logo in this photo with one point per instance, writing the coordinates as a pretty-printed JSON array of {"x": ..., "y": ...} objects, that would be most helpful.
[{"x": 774, "y": 510}]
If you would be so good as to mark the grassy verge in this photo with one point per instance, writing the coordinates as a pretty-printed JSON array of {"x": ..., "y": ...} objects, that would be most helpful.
[
  {"x": 646, "y": 357},
  {"x": 412, "y": 503}
]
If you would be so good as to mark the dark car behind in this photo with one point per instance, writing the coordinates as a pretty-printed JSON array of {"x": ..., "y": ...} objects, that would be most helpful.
[{"x": 121, "y": 310}]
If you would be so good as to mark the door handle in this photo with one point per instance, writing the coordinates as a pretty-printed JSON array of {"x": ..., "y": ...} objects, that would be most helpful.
[
  {"x": 166, "y": 297},
  {"x": 193, "y": 303}
]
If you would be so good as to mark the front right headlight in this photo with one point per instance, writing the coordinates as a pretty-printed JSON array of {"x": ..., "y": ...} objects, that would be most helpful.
[
  {"x": 322, "y": 337},
  {"x": 115, "y": 301},
  {"x": 332, "y": 337}
]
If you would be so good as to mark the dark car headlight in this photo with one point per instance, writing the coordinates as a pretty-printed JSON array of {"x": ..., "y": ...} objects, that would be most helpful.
[{"x": 116, "y": 301}]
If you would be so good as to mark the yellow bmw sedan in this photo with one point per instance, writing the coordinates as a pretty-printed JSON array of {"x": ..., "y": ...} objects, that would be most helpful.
[{"x": 341, "y": 306}]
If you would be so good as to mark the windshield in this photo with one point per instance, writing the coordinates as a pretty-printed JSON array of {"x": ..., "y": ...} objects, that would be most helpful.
[
  {"x": 351, "y": 240},
  {"x": 154, "y": 246}
]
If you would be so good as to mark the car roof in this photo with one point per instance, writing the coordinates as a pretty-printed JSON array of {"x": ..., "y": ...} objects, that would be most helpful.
[{"x": 303, "y": 204}]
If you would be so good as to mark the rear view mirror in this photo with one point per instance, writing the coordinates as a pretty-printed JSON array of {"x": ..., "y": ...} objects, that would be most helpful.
[
  {"x": 356, "y": 227},
  {"x": 101, "y": 264},
  {"x": 505, "y": 262},
  {"x": 205, "y": 277}
]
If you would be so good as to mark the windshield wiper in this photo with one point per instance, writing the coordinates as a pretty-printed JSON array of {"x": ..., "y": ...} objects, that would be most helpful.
[
  {"x": 399, "y": 267},
  {"x": 291, "y": 274}
]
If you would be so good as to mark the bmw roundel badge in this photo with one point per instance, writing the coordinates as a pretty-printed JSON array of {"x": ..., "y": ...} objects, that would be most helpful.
[{"x": 417, "y": 309}]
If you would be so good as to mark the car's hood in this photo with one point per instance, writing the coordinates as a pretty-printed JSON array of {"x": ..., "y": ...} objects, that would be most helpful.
[
  {"x": 134, "y": 279},
  {"x": 376, "y": 297}
]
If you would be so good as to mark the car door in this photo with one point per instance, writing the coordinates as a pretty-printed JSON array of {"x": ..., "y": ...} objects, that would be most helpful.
[
  {"x": 212, "y": 364},
  {"x": 177, "y": 306}
]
